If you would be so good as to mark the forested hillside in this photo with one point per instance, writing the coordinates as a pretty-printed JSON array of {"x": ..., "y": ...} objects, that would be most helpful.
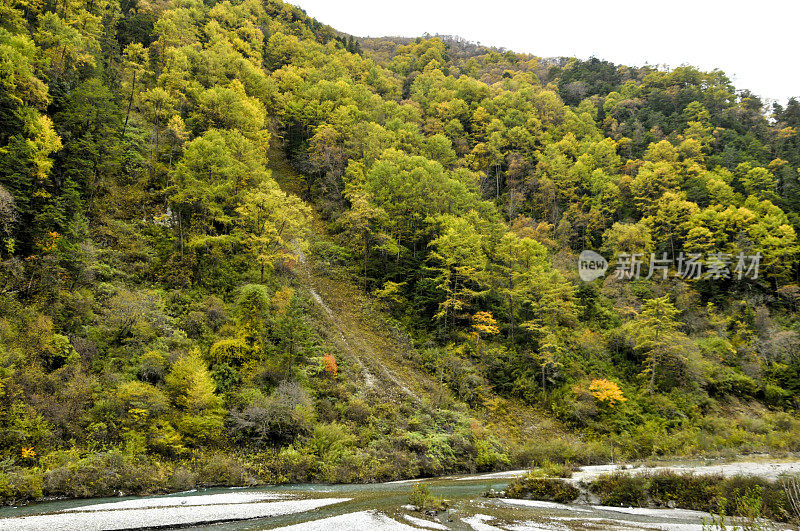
[{"x": 241, "y": 247}]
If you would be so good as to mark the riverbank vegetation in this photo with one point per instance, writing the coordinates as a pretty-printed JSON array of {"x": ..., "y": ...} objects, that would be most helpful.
[
  {"x": 241, "y": 247},
  {"x": 751, "y": 498}
]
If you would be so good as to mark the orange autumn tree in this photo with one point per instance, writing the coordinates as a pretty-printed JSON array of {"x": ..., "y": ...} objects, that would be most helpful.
[{"x": 329, "y": 364}]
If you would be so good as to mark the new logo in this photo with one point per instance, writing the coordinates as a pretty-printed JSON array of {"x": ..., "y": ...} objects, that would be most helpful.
[{"x": 591, "y": 266}]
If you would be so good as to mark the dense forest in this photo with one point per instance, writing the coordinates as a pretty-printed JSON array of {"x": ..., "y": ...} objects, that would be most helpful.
[{"x": 241, "y": 247}]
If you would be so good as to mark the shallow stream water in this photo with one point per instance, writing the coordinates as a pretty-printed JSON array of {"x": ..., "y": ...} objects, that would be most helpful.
[{"x": 353, "y": 508}]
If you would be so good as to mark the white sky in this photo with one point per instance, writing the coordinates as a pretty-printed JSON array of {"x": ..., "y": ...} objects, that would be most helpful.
[{"x": 756, "y": 42}]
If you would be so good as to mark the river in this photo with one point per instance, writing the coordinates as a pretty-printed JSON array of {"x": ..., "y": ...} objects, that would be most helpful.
[{"x": 363, "y": 507}]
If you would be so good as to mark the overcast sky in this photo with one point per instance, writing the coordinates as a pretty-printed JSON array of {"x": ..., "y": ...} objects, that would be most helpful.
[{"x": 755, "y": 43}]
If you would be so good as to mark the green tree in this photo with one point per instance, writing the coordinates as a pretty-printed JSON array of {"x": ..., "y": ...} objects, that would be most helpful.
[
  {"x": 759, "y": 182},
  {"x": 517, "y": 262},
  {"x": 655, "y": 333},
  {"x": 208, "y": 182},
  {"x": 192, "y": 390},
  {"x": 271, "y": 224},
  {"x": 670, "y": 221},
  {"x": 412, "y": 190},
  {"x": 363, "y": 222},
  {"x": 551, "y": 313},
  {"x": 134, "y": 63},
  {"x": 460, "y": 265}
]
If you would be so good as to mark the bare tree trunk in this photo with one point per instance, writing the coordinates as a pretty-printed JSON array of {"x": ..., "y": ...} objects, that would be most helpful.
[
  {"x": 654, "y": 364},
  {"x": 653, "y": 373},
  {"x": 511, "y": 317},
  {"x": 154, "y": 142},
  {"x": 497, "y": 180},
  {"x": 130, "y": 104},
  {"x": 180, "y": 233},
  {"x": 544, "y": 377},
  {"x": 366, "y": 254}
]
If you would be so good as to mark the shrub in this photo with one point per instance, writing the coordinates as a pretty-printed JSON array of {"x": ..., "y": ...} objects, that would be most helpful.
[
  {"x": 199, "y": 430},
  {"x": 292, "y": 466},
  {"x": 748, "y": 497},
  {"x": 422, "y": 499},
  {"x": 182, "y": 479},
  {"x": 434, "y": 451},
  {"x": 277, "y": 419},
  {"x": 488, "y": 457},
  {"x": 105, "y": 474},
  {"x": 791, "y": 486},
  {"x": 748, "y": 494},
  {"x": 539, "y": 452},
  {"x": 538, "y": 488},
  {"x": 20, "y": 485},
  {"x": 684, "y": 490},
  {"x": 222, "y": 469},
  {"x": 357, "y": 411},
  {"x": 726, "y": 382},
  {"x": 557, "y": 470},
  {"x": 330, "y": 440},
  {"x": 621, "y": 490},
  {"x": 777, "y": 396}
]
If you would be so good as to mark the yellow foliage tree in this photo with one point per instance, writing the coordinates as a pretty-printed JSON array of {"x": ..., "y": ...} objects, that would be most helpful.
[
  {"x": 483, "y": 324},
  {"x": 606, "y": 391}
]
